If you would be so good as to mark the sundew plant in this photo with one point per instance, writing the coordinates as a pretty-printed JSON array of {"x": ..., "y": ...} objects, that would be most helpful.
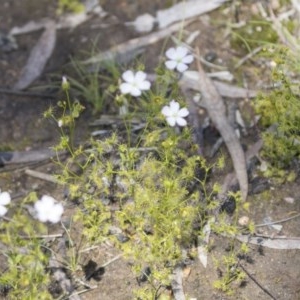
[
  {"x": 279, "y": 112},
  {"x": 153, "y": 175},
  {"x": 150, "y": 173},
  {"x": 142, "y": 187}
]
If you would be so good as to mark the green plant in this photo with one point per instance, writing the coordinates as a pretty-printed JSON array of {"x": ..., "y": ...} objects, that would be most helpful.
[
  {"x": 279, "y": 109},
  {"x": 156, "y": 182},
  {"x": 25, "y": 273},
  {"x": 69, "y": 5}
]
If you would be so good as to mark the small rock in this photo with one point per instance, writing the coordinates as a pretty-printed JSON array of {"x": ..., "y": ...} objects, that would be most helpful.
[
  {"x": 210, "y": 56},
  {"x": 244, "y": 221},
  {"x": 143, "y": 23},
  {"x": 290, "y": 200}
]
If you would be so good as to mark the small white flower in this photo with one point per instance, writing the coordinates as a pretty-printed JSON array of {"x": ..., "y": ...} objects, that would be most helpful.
[
  {"x": 60, "y": 123},
  {"x": 174, "y": 114},
  {"x": 47, "y": 209},
  {"x": 134, "y": 83},
  {"x": 64, "y": 83},
  {"x": 179, "y": 58},
  {"x": 4, "y": 200}
]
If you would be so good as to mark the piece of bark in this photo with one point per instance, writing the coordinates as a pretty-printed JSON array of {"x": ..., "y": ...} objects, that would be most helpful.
[
  {"x": 217, "y": 112},
  {"x": 38, "y": 58}
]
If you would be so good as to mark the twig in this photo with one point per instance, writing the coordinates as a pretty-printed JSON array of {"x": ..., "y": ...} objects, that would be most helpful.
[
  {"x": 248, "y": 56},
  {"x": 257, "y": 283},
  {"x": 41, "y": 175},
  {"x": 111, "y": 261},
  {"x": 277, "y": 237},
  {"x": 277, "y": 222},
  {"x": 49, "y": 236},
  {"x": 88, "y": 249},
  {"x": 82, "y": 292}
]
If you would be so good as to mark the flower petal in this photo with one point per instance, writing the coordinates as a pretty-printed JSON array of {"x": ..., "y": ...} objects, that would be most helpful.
[
  {"x": 3, "y": 210},
  {"x": 166, "y": 111},
  {"x": 187, "y": 59},
  {"x": 174, "y": 106},
  {"x": 181, "y": 52},
  {"x": 145, "y": 85},
  {"x": 181, "y": 121},
  {"x": 183, "y": 112},
  {"x": 135, "y": 91},
  {"x": 56, "y": 213},
  {"x": 128, "y": 76},
  {"x": 125, "y": 88},
  {"x": 140, "y": 76},
  {"x": 171, "y": 121},
  {"x": 47, "y": 201},
  {"x": 171, "y": 53},
  {"x": 182, "y": 67},
  {"x": 171, "y": 64},
  {"x": 5, "y": 198}
]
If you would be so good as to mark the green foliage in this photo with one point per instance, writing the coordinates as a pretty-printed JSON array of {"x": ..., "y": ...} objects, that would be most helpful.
[
  {"x": 95, "y": 86},
  {"x": 69, "y": 5},
  {"x": 279, "y": 109},
  {"x": 254, "y": 33},
  {"x": 26, "y": 262}
]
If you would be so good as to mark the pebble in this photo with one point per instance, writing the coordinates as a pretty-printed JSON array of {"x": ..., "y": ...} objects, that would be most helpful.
[
  {"x": 244, "y": 221},
  {"x": 290, "y": 200}
]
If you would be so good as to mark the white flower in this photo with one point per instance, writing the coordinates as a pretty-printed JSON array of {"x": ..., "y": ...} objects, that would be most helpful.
[
  {"x": 134, "y": 83},
  {"x": 60, "y": 123},
  {"x": 64, "y": 83},
  {"x": 4, "y": 200},
  {"x": 47, "y": 209},
  {"x": 174, "y": 114},
  {"x": 179, "y": 58}
]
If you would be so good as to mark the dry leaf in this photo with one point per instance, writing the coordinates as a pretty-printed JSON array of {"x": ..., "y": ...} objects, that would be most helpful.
[
  {"x": 186, "y": 272},
  {"x": 38, "y": 58},
  {"x": 274, "y": 243},
  {"x": 184, "y": 10}
]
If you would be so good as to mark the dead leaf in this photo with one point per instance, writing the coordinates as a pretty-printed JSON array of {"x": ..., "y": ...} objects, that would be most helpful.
[
  {"x": 273, "y": 243},
  {"x": 176, "y": 284},
  {"x": 38, "y": 58},
  {"x": 216, "y": 110},
  {"x": 185, "y": 10},
  {"x": 186, "y": 272},
  {"x": 203, "y": 244}
]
